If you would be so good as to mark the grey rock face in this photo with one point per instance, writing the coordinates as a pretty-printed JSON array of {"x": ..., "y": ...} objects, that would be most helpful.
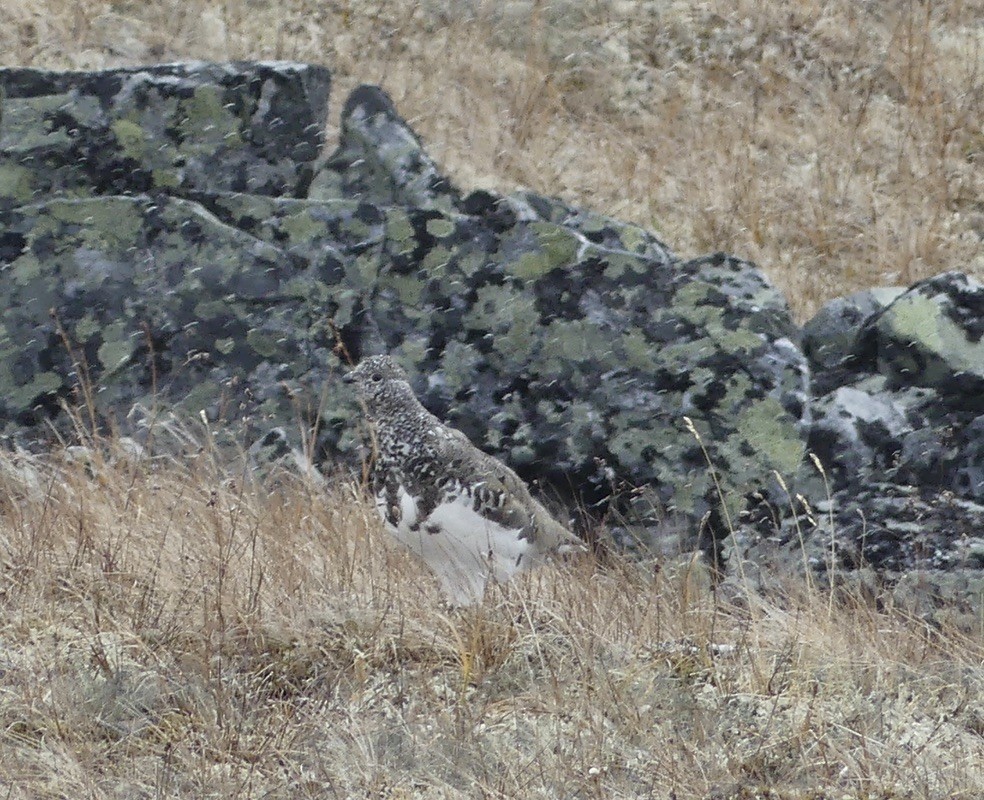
[
  {"x": 863, "y": 428},
  {"x": 910, "y": 392},
  {"x": 571, "y": 344},
  {"x": 380, "y": 159},
  {"x": 152, "y": 303},
  {"x": 931, "y": 336},
  {"x": 969, "y": 464},
  {"x": 919, "y": 550},
  {"x": 830, "y": 336},
  {"x": 897, "y": 427},
  {"x": 254, "y": 127}
]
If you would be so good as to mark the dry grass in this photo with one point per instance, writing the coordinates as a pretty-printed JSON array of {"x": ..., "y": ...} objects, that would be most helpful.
[
  {"x": 173, "y": 630},
  {"x": 838, "y": 144}
]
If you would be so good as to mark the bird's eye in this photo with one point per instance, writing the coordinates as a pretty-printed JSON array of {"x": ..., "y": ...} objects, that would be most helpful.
[{"x": 376, "y": 377}]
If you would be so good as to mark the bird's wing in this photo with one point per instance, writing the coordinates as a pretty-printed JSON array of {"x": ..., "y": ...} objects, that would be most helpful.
[{"x": 502, "y": 496}]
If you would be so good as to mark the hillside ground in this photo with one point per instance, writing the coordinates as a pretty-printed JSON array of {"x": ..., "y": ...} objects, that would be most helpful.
[{"x": 176, "y": 629}]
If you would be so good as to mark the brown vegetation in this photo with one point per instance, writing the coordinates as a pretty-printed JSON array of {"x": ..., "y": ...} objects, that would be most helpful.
[{"x": 174, "y": 630}]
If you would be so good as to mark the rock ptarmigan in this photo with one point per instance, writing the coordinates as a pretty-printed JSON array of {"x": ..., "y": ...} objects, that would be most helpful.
[{"x": 464, "y": 512}]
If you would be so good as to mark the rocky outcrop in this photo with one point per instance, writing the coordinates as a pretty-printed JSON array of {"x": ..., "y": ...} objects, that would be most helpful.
[
  {"x": 175, "y": 244},
  {"x": 898, "y": 432},
  {"x": 908, "y": 404},
  {"x": 829, "y": 338},
  {"x": 172, "y": 244}
]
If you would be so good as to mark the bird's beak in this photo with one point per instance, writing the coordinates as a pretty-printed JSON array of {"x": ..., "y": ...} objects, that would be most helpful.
[{"x": 347, "y": 378}]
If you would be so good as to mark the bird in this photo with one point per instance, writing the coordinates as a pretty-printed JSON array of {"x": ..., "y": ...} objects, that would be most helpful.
[{"x": 468, "y": 516}]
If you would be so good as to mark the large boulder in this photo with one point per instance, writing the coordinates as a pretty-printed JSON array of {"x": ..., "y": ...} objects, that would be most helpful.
[
  {"x": 177, "y": 248},
  {"x": 173, "y": 242},
  {"x": 894, "y": 545},
  {"x": 898, "y": 437},
  {"x": 574, "y": 345},
  {"x": 904, "y": 403},
  {"x": 933, "y": 336},
  {"x": 116, "y": 303}
]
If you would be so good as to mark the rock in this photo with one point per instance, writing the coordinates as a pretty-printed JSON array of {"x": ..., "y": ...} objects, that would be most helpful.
[
  {"x": 898, "y": 430},
  {"x": 887, "y": 530},
  {"x": 596, "y": 228},
  {"x": 909, "y": 393},
  {"x": 968, "y": 467},
  {"x": 897, "y": 433},
  {"x": 253, "y": 127},
  {"x": 117, "y": 302},
  {"x": 864, "y": 430},
  {"x": 381, "y": 160},
  {"x": 931, "y": 336},
  {"x": 179, "y": 259},
  {"x": 572, "y": 344},
  {"x": 829, "y": 337}
]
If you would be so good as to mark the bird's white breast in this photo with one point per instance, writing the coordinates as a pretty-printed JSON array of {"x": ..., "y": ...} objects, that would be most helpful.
[{"x": 463, "y": 548}]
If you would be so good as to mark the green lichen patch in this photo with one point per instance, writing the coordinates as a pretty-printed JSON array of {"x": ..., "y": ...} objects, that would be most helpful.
[
  {"x": 553, "y": 247},
  {"x": 772, "y": 435},
  {"x": 117, "y": 347}
]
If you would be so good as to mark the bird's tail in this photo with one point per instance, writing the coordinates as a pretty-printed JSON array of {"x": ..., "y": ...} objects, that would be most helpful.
[{"x": 555, "y": 538}]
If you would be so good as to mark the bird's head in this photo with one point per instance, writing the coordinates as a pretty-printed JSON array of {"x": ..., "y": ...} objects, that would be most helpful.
[{"x": 381, "y": 382}]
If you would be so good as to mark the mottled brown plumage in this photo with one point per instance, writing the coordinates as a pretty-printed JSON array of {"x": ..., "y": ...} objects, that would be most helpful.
[{"x": 468, "y": 515}]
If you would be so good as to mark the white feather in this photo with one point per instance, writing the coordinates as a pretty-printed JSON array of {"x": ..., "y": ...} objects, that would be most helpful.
[{"x": 463, "y": 548}]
